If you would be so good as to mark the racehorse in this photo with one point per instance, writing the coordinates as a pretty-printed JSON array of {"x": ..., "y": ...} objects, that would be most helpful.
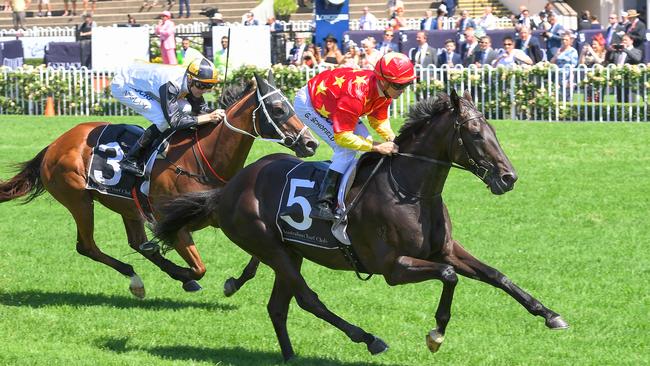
[
  {"x": 257, "y": 110},
  {"x": 399, "y": 227}
]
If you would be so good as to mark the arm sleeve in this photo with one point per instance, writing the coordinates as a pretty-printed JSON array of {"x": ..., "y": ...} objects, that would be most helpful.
[
  {"x": 349, "y": 140},
  {"x": 382, "y": 127},
  {"x": 169, "y": 102}
]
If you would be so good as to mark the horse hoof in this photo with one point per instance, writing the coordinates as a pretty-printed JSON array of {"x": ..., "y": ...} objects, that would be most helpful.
[
  {"x": 192, "y": 286},
  {"x": 137, "y": 292},
  {"x": 557, "y": 323},
  {"x": 230, "y": 287},
  {"x": 434, "y": 340},
  {"x": 377, "y": 346},
  {"x": 149, "y": 247}
]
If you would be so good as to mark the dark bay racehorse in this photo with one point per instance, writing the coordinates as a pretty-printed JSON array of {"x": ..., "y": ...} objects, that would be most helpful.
[
  {"x": 400, "y": 228},
  {"x": 258, "y": 110}
]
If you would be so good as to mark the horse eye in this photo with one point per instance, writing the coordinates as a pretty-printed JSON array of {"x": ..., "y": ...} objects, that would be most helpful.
[
  {"x": 477, "y": 136},
  {"x": 277, "y": 111}
]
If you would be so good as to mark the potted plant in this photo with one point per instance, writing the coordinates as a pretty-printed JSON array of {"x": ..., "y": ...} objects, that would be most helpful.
[{"x": 284, "y": 8}]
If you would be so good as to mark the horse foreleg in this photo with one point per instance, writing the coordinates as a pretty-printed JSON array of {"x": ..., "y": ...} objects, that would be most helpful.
[
  {"x": 187, "y": 250},
  {"x": 411, "y": 270},
  {"x": 467, "y": 265},
  {"x": 233, "y": 285},
  {"x": 278, "y": 308}
]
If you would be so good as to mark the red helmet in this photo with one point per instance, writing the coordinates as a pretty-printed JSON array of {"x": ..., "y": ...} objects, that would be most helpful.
[{"x": 395, "y": 67}]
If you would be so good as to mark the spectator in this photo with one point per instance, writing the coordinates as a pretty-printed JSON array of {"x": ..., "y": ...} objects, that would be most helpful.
[
  {"x": 388, "y": 45},
  {"x": 425, "y": 54},
  {"x": 296, "y": 52},
  {"x": 439, "y": 22},
  {"x": 636, "y": 28},
  {"x": 625, "y": 21},
  {"x": 92, "y": 7},
  {"x": 84, "y": 32},
  {"x": 180, "y": 8},
  {"x": 18, "y": 8},
  {"x": 595, "y": 24},
  {"x": 468, "y": 47},
  {"x": 542, "y": 22},
  {"x": 448, "y": 56},
  {"x": 66, "y": 9},
  {"x": 311, "y": 57},
  {"x": 427, "y": 22},
  {"x": 450, "y": 7},
  {"x": 595, "y": 53},
  {"x": 398, "y": 21},
  {"x": 510, "y": 55},
  {"x": 131, "y": 22},
  {"x": 524, "y": 20},
  {"x": 486, "y": 54},
  {"x": 566, "y": 55},
  {"x": 464, "y": 22},
  {"x": 250, "y": 19},
  {"x": 584, "y": 22},
  {"x": 488, "y": 21},
  {"x": 352, "y": 57},
  {"x": 529, "y": 44},
  {"x": 166, "y": 29},
  {"x": 392, "y": 5},
  {"x": 553, "y": 36},
  {"x": 614, "y": 32},
  {"x": 370, "y": 53},
  {"x": 187, "y": 54},
  {"x": 221, "y": 56},
  {"x": 367, "y": 21},
  {"x": 548, "y": 9},
  {"x": 332, "y": 56},
  {"x": 47, "y": 6},
  {"x": 625, "y": 53},
  {"x": 217, "y": 20},
  {"x": 274, "y": 24}
]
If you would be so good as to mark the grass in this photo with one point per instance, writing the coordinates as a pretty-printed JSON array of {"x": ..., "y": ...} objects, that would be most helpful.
[{"x": 574, "y": 233}]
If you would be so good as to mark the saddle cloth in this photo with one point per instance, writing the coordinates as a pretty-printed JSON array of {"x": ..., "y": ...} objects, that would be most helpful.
[{"x": 299, "y": 194}]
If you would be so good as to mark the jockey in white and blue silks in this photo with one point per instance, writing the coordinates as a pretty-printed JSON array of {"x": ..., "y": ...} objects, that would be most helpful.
[{"x": 169, "y": 96}]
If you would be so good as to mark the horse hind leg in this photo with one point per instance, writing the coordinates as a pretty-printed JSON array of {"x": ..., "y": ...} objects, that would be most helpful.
[
  {"x": 468, "y": 266},
  {"x": 232, "y": 285}
]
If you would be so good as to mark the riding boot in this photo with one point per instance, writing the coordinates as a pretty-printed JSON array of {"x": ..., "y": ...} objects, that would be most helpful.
[
  {"x": 324, "y": 207},
  {"x": 131, "y": 163}
]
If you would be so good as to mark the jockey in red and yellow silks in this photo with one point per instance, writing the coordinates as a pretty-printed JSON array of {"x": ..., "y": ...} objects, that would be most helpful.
[{"x": 333, "y": 102}]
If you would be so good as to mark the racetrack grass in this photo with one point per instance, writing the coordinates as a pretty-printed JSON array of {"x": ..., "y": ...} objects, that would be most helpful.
[{"x": 574, "y": 232}]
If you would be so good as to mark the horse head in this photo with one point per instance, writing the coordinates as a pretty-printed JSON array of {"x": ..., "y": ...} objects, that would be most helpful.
[
  {"x": 475, "y": 146},
  {"x": 278, "y": 119}
]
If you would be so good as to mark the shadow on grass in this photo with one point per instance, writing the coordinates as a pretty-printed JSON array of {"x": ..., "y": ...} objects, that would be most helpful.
[
  {"x": 37, "y": 299},
  {"x": 221, "y": 356}
]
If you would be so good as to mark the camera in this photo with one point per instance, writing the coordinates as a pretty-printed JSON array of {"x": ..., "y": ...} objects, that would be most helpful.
[
  {"x": 209, "y": 12},
  {"x": 618, "y": 47}
]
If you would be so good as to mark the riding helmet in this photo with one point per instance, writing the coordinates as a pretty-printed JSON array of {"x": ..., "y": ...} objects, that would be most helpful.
[
  {"x": 202, "y": 70},
  {"x": 395, "y": 67}
]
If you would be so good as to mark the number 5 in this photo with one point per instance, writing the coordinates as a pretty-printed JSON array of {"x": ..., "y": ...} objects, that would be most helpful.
[{"x": 300, "y": 200}]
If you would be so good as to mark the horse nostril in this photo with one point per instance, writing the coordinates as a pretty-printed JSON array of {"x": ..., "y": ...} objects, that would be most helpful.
[
  {"x": 312, "y": 145},
  {"x": 509, "y": 179}
]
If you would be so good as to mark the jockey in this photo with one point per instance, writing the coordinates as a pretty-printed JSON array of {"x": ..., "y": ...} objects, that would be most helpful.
[
  {"x": 169, "y": 96},
  {"x": 333, "y": 102}
]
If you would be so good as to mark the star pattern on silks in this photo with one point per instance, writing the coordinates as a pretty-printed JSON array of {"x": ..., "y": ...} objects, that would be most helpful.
[
  {"x": 360, "y": 80},
  {"x": 321, "y": 88},
  {"x": 391, "y": 55},
  {"x": 323, "y": 112},
  {"x": 339, "y": 81}
]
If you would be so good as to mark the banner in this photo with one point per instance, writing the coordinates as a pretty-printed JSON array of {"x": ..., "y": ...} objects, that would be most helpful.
[
  {"x": 34, "y": 47},
  {"x": 249, "y": 45},
  {"x": 332, "y": 18},
  {"x": 114, "y": 47},
  {"x": 65, "y": 55},
  {"x": 12, "y": 54}
]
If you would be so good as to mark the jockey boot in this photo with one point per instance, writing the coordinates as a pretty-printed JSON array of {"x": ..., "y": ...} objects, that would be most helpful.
[
  {"x": 324, "y": 207},
  {"x": 131, "y": 163}
]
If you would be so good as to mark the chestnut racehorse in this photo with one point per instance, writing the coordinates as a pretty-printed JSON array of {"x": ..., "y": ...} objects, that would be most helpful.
[
  {"x": 259, "y": 110},
  {"x": 399, "y": 228}
]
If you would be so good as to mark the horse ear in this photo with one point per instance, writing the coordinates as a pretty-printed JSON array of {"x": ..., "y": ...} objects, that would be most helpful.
[
  {"x": 270, "y": 78},
  {"x": 468, "y": 96},
  {"x": 455, "y": 100},
  {"x": 261, "y": 83}
]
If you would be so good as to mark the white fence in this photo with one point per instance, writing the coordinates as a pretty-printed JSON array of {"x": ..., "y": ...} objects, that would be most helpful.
[{"x": 542, "y": 92}]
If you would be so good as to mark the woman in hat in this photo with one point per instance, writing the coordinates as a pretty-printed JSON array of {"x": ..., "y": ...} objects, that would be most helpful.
[
  {"x": 332, "y": 56},
  {"x": 166, "y": 29}
]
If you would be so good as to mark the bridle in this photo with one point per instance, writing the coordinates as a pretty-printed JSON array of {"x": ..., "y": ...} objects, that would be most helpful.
[{"x": 284, "y": 139}]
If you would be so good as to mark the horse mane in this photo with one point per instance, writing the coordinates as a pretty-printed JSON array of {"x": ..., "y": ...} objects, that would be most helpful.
[
  {"x": 422, "y": 113},
  {"x": 234, "y": 92}
]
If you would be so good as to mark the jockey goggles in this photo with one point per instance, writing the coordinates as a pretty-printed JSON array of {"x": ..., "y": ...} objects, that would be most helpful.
[
  {"x": 203, "y": 86},
  {"x": 398, "y": 86}
]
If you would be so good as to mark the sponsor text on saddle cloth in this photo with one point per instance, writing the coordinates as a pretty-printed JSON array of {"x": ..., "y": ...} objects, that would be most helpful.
[
  {"x": 104, "y": 173},
  {"x": 299, "y": 193}
]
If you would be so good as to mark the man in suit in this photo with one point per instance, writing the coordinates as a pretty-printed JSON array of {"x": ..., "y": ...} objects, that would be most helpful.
[
  {"x": 448, "y": 56},
  {"x": 625, "y": 53},
  {"x": 465, "y": 22},
  {"x": 614, "y": 32},
  {"x": 468, "y": 47},
  {"x": 529, "y": 44},
  {"x": 299, "y": 47},
  {"x": 424, "y": 55},
  {"x": 387, "y": 45},
  {"x": 427, "y": 22},
  {"x": 553, "y": 36},
  {"x": 485, "y": 54},
  {"x": 636, "y": 29}
]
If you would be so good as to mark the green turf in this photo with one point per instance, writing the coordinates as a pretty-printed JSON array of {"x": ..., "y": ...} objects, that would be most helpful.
[{"x": 574, "y": 232}]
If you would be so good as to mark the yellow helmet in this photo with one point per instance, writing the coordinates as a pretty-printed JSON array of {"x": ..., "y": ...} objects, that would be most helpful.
[{"x": 202, "y": 70}]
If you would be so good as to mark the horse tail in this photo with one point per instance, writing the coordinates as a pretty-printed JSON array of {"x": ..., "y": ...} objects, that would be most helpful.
[
  {"x": 190, "y": 209},
  {"x": 26, "y": 182}
]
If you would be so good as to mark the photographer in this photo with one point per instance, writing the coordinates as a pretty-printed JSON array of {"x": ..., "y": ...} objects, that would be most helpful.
[{"x": 624, "y": 53}]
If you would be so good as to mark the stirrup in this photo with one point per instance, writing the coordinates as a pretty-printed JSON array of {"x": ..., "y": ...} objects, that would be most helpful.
[{"x": 322, "y": 211}]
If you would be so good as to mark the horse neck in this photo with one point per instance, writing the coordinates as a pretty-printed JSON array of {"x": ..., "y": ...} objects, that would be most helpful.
[{"x": 231, "y": 148}]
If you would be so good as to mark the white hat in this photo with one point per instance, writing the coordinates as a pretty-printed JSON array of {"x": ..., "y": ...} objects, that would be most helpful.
[
  {"x": 624, "y": 13},
  {"x": 217, "y": 16}
]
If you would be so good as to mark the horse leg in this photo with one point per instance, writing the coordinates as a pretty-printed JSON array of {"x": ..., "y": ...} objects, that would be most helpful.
[
  {"x": 136, "y": 235},
  {"x": 187, "y": 250},
  {"x": 278, "y": 308},
  {"x": 232, "y": 285},
  {"x": 411, "y": 270},
  {"x": 467, "y": 265},
  {"x": 307, "y": 299}
]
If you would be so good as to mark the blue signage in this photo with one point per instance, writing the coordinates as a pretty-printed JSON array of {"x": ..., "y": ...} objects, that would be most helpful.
[{"x": 332, "y": 19}]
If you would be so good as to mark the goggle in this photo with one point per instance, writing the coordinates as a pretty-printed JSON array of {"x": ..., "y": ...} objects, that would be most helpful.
[
  {"x": 399, "y": 86},
  {"x": 203, "y": 86}
]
